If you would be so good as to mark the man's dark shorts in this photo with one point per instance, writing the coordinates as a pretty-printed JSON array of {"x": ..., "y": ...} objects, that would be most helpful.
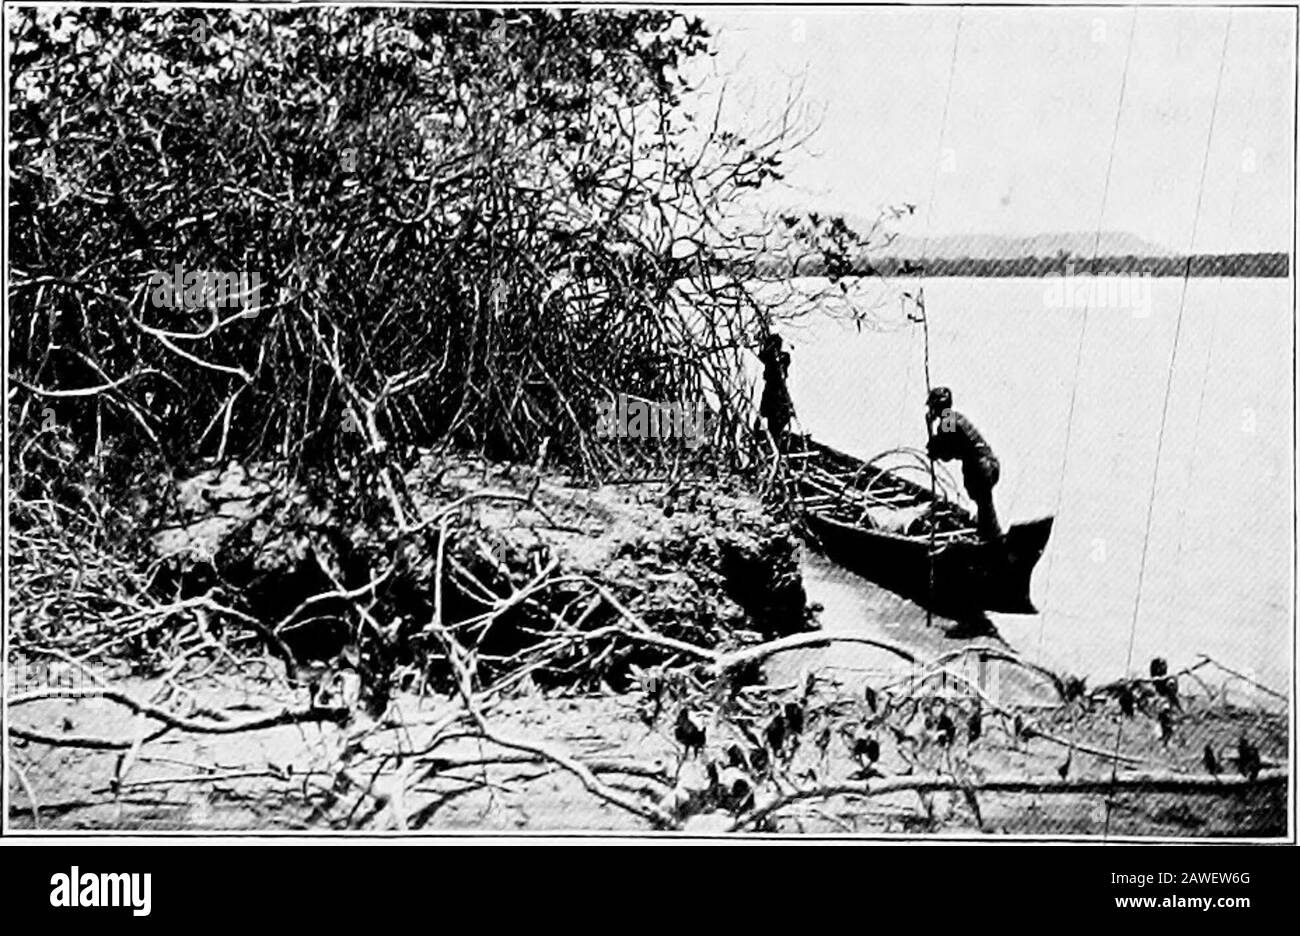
[{"x": 981, "y": 476}]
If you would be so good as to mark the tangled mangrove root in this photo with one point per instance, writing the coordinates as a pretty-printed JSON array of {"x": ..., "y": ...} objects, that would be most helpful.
[
  {"x": 718, "y": 749},
  {"x": 515, "y": 631}
]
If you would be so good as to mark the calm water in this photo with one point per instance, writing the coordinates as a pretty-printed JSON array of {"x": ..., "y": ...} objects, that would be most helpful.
[{"x": 1220, "y": 554}]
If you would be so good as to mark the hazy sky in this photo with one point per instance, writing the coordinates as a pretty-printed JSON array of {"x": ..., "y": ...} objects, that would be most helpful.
[{"x": 1031, "y": 116}]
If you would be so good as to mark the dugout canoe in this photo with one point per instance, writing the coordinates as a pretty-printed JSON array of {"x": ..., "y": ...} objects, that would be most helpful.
[{"x": 875, "y": 522}]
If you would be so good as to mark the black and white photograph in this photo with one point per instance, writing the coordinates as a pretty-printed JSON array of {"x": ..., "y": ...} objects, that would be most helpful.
[{"x": 741, "y": 422}]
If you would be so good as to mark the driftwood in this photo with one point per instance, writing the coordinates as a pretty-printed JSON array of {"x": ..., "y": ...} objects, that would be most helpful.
[
  {"x": 169, "y": 721},
  {"x": 400, "y": 764},
  {"x": 1146, "y": 782}
]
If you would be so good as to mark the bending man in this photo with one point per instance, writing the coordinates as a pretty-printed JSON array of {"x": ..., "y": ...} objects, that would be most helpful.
[{"x": 952, "y": 436}]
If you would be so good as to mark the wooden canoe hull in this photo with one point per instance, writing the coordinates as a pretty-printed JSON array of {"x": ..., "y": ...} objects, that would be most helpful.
[
  {"x": 838, "y": 492},
  {"x": 969, "y": 576}
]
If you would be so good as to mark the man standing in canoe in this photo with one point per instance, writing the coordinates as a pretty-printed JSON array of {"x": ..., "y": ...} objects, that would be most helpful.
[
  {"x": 953, "y": 437},
  {"x": 776, "y": 406}
]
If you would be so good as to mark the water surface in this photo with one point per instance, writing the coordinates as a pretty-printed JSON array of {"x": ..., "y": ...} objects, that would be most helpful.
[{"x": 1219, "y": 555}]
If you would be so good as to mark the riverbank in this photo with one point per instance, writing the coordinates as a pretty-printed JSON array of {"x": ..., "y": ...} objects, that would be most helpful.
[{"x": 625, "y": 658}]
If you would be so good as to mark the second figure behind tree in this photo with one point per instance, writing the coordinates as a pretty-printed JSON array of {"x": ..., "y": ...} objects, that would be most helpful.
[{"x": 776, "y": 406}]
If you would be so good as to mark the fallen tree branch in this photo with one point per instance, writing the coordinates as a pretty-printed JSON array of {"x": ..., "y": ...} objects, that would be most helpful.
[
  {"x": 437, "y": 763},
  {"x": 1205, "y": 658},
  {"x": 336, "y": 714},
  {"x": 1147, "y": 782},
  {"x": 589, "y": 780},
  {"x": 81, "y": 741},
  {"x": 32, "y": 803},
  {"x": 987, "y": 652},
  {"x": 724, "y": 662},
  {"x": 1032, "y": 730}
]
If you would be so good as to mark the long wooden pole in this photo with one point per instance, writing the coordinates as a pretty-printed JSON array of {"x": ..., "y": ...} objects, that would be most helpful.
[
  {"x": 920, "y": 293},
  {"x": 929, "y": 433}
]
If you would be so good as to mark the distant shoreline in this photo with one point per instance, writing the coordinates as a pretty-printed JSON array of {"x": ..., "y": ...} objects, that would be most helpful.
[{"x": 1243, "y": 265}]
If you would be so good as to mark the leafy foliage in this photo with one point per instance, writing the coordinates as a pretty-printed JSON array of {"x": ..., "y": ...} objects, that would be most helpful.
[{"x": 468, "y": 227}]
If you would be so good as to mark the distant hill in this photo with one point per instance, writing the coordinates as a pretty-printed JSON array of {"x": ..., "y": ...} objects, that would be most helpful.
[
  {"x": 1033, "y": 255},
  {"x": 998, "y": 247}
]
